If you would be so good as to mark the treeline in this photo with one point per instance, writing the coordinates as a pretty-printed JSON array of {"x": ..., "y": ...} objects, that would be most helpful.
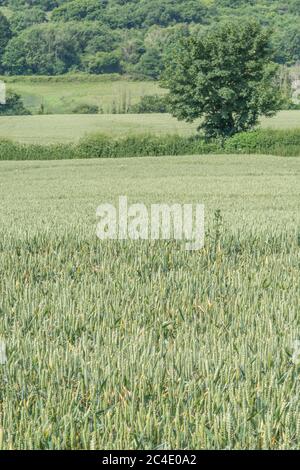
[{"x": 51, "y": 37}]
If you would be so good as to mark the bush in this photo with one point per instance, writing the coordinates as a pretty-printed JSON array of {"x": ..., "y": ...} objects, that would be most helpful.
[
  {"x": 282, "y": 143},
  {"x": 99, "y": 146},
  {"x": 70, "y": 77},
  {"x": 14, "y": 105},
  {"x": 268, "y": 141},
  {"x": 16, "y": 151},
  {"x": 294, "y": 106},
  {"x": 86, "y": 109},
  {"x": 150, "y": 104}
]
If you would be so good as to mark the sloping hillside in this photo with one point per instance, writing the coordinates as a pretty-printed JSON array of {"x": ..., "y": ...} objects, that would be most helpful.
[{"x": 124, "y": 36}]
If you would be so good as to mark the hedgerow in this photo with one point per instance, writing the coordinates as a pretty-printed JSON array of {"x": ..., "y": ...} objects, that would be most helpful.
[{"x": 275, "y": 142}]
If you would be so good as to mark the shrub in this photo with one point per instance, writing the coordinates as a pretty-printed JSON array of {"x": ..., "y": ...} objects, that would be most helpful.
[
  {"x": 143, "y": 145},
  {"x": 268, "y": 141},
  {"x": 17, "y": 151},
  {"x": 282, "y": 143},
  {"x": 70, "y": 77},
  {"x": 150, "y": 104},
  {"x": 85, "y": 108},
  {"x": 14, "y": 105}
]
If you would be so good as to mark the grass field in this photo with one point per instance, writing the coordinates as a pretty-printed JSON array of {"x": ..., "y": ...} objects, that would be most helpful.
[
  {"x": 70, "y": 128},
  {"x": 62, "y": 96},
  {"x": 119, "y": 345}
]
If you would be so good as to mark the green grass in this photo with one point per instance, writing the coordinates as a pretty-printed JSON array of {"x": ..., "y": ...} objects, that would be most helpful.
[
  {"x": 119, "y": 345},
  {"x": 283, "y": 120},
  {"x": 70, "y": 128},
  {"x": 60, "y": 95}
]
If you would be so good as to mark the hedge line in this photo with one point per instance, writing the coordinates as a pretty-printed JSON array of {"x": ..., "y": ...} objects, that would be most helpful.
[
  {"x": 69, "y": 77},
  {"x": 276, "y": 142},
  {"x": 281, "y": 143}
]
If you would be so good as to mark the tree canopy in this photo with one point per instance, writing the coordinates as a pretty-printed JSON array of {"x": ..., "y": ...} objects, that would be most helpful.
[
  {"x": 128, "y": 36},
  {"x": 225, "y": 76}
]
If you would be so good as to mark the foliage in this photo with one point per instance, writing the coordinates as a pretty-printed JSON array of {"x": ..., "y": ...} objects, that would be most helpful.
[
  {"x": 285, "y": 142},
  {"x": 287, "y": 44},
  {"x": 150, "y": 104},
  {"x": 139, "y": 32},
  {"x": 102, "y": 62},
  {"x": 86, "y": 109},
  {"x": 5, "y": 35},
  {"x": 14, "y": 105},
  {"x": 41, "y": 49},
  {"x": 281, "y": 143},
  {"x": 225, "y": 76},
  {"x": 20, "y": 20}
]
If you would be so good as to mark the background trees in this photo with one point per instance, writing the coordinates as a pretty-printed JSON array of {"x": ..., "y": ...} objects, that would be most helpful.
[
  {"x": 5, "y": 35},
  {"x": 21, "y": 20},
  {"x": 128, "y": 36},
  {"x": 225, "y": 76},
  {"x": 287, "y": 44},
  {"x": 43, "y": 49}
]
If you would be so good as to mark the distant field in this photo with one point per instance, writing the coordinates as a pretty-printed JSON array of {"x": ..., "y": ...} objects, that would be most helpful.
[
  {"x": 129, "y": 345},
  {"x": 283, "y": 120},
  {"x": 70, "y": 128},
  {"x": 61, "y": 96}
]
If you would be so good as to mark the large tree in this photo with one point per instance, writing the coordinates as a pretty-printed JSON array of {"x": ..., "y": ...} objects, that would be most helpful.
[{"x": 225, "y": 75}]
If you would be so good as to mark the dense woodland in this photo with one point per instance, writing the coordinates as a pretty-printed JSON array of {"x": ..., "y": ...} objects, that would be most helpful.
[{"x": 125, "y": 36}]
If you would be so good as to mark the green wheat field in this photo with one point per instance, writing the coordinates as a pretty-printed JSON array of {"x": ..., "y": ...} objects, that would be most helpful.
[{"x": 143, "y": 345}]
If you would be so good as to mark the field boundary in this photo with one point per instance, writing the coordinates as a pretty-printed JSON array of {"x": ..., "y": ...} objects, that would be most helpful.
[{"x": 267, "y": 142}]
